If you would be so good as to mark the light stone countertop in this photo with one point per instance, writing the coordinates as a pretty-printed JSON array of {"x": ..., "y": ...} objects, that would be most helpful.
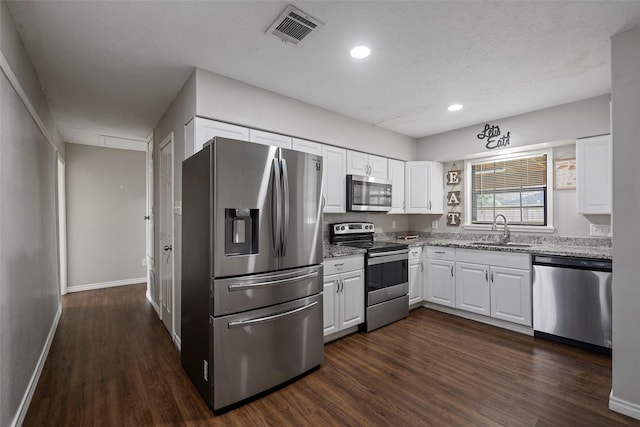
[{"x": 583, "y": 247}]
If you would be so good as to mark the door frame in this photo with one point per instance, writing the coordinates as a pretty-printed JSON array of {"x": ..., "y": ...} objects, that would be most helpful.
[
  {"x": 168, "y": 140},
  {"x": 62, "y": 225}
]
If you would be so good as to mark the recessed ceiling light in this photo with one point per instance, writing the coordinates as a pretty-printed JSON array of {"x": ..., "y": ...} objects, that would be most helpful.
[
  {"x": 360, "y": 52},
  {"x": 455, "y": 107}
]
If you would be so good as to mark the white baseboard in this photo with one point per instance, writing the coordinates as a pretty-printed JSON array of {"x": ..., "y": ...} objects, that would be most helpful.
[
  {"x": 177, "y": 342},
  {"x": 33, "y": 382},
  {"x": 154, "y": 304},
  {"x": 624, "y": 407},
  {"x": 102, "y": 285}
]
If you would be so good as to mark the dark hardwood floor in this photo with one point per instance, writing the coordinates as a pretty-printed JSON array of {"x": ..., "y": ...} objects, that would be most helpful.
[{"x": 113, "y": 364}]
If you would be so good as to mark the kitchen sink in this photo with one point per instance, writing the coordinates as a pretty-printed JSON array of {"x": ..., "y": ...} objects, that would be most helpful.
[{"x": 502, "y": 245}]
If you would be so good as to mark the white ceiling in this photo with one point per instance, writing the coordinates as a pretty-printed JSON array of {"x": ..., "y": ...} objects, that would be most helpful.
[{"x": 113, "y": 67}]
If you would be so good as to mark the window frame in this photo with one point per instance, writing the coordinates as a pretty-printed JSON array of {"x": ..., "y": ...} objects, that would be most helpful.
[{"x": 468, "y": 206}]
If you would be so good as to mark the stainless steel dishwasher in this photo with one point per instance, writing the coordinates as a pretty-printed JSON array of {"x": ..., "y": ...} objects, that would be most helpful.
[{"x": 572, "y": 301}]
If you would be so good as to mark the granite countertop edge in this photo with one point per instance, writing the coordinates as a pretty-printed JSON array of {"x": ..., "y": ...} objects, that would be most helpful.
[{"x": 597, "y": 252}]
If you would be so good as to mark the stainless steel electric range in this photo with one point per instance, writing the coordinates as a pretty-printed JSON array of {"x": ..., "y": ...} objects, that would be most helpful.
[{"x": 386, "y": 272}]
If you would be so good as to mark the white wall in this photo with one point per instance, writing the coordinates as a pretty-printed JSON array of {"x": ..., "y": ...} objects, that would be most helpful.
[
  {"x": 563, "y": 122},
  {"x": 106, "y": 205},
  {"x": 29, "y": 293},
  {"x": 229, "y": 100},
  {"x": 625, "y": 59},
  {"x": 557, "y": 125}
]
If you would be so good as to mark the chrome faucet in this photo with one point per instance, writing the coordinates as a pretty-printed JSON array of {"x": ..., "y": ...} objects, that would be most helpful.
[{"x": 506, "y": 234}]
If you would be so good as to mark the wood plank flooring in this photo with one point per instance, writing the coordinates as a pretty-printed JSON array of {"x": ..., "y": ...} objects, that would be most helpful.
[{"x": 113, "y": 364}]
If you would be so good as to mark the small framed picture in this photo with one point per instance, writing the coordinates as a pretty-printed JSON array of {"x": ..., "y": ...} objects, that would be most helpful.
[{"x": 564, "y": 174}]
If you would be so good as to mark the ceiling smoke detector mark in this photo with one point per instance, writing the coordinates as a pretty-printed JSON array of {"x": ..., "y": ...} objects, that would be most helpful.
[{"x": 294, "y": 26}]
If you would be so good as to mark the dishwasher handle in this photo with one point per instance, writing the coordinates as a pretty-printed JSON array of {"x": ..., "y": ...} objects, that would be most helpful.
[{"x": 571, "y": 262}]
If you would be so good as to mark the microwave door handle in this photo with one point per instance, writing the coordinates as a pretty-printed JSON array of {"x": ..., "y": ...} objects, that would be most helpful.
[
  {"x": 285, "y": 194},
  {"x": 275, "y": 208}
]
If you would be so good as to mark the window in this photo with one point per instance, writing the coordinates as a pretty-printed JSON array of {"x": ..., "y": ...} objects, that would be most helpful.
[{"x": 515, "y": 187}]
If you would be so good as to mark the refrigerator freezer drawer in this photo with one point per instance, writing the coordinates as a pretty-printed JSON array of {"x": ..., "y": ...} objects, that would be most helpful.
[
  {"x": 239, "y": 294},
  {"x": 257, "y": 350}
]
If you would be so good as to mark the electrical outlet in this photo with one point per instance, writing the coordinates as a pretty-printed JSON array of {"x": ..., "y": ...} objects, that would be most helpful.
[
  {"x": 600, "y": 230},
  {"x": 434, "y": 223},
  {"x": 393, "y": 225}
]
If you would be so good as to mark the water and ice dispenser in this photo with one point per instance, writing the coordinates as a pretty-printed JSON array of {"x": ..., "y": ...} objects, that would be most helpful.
[{"x": 241, "y": 231}]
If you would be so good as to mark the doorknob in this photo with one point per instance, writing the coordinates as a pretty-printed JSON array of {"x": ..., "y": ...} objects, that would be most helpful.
[{"x": 168, "y": 247}]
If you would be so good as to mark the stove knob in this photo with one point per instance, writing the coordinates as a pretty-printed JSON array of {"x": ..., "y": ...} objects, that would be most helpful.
[{"x": 342, "y": 228}]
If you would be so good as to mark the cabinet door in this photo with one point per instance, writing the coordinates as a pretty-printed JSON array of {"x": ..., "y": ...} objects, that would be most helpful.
[
  {"x": 268, "y": 138},
  {"x": 378, "y": 166},
  {"x": 357, "y": 163},
  {"x": 436, "y": 188},
  {"x": 396, "y": 175},
  {"x": 330, "y": 307},
  {"x": 306, "y": 146},
  {"x": 472, "y": 288},
  {"x": 594, "y": 174},
  {"x": 199, "y": 131},
  {"x": 334, "y": 179},
  {"x": 415, "y": 281},
  {"x": 352, "y": 299},
  {"x": 440, "y": 283},
  {"x": 511, "y": 295}
]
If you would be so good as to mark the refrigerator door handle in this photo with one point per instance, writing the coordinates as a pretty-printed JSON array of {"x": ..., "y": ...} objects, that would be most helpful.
[
  {"x": 244, "y": 286},
  {"x": 251, "y": 322},
  {"x": 275, "y": 208},
  {"x": 285, "y": 194}
]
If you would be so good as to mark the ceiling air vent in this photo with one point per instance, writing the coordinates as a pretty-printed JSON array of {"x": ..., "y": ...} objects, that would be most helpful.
[{"x": 294, "y": 26}]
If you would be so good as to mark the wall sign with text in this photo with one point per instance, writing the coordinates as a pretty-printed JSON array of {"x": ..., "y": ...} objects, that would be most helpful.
[
  {"x": 494, "y": 137},
  {"x": 454, "y": 179}
]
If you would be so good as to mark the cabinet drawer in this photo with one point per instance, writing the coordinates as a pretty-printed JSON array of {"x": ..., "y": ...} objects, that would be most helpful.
[
  {"x": 497, "y": 258},
  {"x": 438, "y": 252},
  {"x": 342, "y": 264},
  {"x": 415, "y": 252}
]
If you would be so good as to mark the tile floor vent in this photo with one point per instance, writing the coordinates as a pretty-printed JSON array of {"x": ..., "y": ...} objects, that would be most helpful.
[{"x": 294, "y": 26}]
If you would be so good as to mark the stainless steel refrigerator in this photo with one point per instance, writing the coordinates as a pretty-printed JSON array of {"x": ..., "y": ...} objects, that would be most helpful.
[{"x": 251, "y": 268}]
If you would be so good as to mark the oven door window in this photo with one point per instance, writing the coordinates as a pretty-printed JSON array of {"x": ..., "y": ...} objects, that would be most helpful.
[{"x": 389, "y": 273}]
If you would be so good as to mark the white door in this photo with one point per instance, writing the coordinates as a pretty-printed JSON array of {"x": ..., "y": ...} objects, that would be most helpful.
[
  {"x": 396, "y": 175},
  {"x": 62, "y": 226},
  {"x": 335, "y": 184},
  {"x": 152, "y": 286},
  {"x": 378, "y": 166},
  {"x": 329, "y": 304},
  {"x": 440, "y": 283},
  {"x": 511, "y": 295},
  {"x": 352, "y": 300},
  {"x": 472, "y": 288},
  {"x": 165, "y": 263}
]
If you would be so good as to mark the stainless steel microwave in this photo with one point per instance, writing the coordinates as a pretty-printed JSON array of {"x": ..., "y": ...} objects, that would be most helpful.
[{"x": 368, "y": 194}]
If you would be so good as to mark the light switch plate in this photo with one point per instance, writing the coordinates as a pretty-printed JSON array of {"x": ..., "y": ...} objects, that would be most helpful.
[{"x": 598, "y": 230}]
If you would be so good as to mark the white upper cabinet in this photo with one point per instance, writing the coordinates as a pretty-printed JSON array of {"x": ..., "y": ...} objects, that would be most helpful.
[
  {"x": 307, "y": 146},
  {"x": 424, "y": 187},
  {"x": 594, "y": 174},
  {"x": 199, "y": 131},
  {"x": 268, "y": 138},
  {"x": 366, "y": 164},
  {"x": 396, "y": 175},
  {"x": 334, "y": 179}
]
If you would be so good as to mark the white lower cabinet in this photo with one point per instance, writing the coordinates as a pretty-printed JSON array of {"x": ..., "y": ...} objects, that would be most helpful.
[
  {"x": 472, "y": 288},
  {"x": 343, "y": 293},
  {"x": 416, "y": 273},
  {"x": 489, "y": 283},
  {"x": 511, "y": 295},
  {"x": 440, "y": 284}
]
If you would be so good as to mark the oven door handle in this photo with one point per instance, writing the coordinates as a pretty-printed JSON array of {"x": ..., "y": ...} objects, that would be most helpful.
[
  {"x": 377, "y": 254},
  {"x": 250, "y": 322}
]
